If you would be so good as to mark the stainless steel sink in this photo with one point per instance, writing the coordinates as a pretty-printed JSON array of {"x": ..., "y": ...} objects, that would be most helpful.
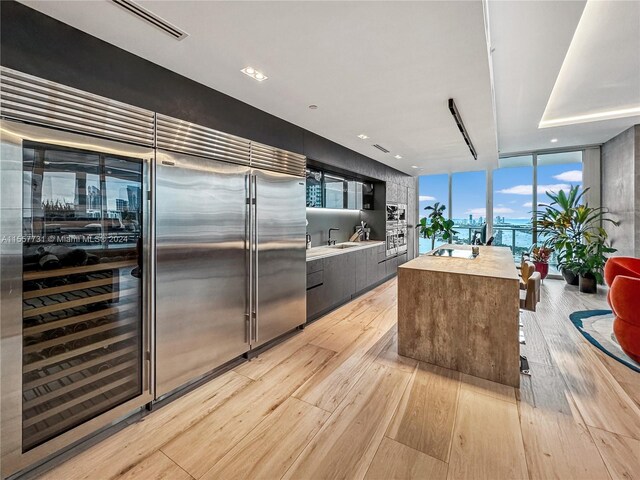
[{"x": 342, "y": 245}]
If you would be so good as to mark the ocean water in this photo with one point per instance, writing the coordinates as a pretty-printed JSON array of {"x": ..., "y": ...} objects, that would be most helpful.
[{"x": 502, "y": 232}]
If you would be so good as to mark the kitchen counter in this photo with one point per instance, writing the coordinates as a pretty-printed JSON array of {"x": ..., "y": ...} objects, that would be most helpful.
[
  {"x": 325, "y": 251},
  {"x": 462, "y": 313}
]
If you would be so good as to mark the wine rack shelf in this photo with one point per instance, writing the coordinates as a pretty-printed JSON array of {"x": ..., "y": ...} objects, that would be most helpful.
[
  {"x": 81, "y": 345},
  {"x": 59, "y": 272}
]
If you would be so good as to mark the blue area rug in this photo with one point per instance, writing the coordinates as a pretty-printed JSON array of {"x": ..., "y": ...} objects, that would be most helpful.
[{"x": 597, "y": 327}]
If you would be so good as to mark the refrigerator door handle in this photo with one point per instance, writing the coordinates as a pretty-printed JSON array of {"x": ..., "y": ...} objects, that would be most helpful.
[
  {"x": 248, "y": 230},
  {"x": 255, "y": 258}
]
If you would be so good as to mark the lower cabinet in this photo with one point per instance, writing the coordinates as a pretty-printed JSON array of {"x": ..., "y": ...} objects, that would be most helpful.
[
  {"x": 391, "y": 265},
  {"x": 332, "y": 281},
  {"x": 340, "y": 278},
  {"x": 315, "y": 300},
  {"x": 373, "y": 275},
  {"x": 361, "y": 270}
]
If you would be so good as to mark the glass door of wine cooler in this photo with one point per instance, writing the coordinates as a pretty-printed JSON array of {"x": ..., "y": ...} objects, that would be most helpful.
[{"x": 82, "y": 241}]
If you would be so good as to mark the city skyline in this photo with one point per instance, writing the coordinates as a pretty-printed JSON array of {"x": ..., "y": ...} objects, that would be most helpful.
[{"x": 512, "y": 195}]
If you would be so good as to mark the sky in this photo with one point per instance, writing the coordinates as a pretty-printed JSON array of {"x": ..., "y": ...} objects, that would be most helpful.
[
  {"x": 513, "y": 189},
  {"x": 61, "y": 186}
]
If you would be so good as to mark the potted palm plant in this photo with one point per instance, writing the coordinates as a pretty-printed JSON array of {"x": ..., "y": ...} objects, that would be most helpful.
[
  {"x": 568, "y": 223},
  {"x": 434, "y": 224},
  {"x": 589, "y": 259}
]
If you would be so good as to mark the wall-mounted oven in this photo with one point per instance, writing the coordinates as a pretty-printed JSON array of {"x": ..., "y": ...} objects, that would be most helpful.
[
  {"x": 402, "y": 240},
  {"x": 402, "y": 213},
  {"x": 392, "y": 242},
  {"x": 392, "y": 215}
]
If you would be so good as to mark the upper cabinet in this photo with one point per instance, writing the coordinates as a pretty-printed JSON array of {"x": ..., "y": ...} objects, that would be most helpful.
[
  {"x": 393, "y": 192},
  {"x": 329, "y": 190},
  {"x": 396, "y": 193}
]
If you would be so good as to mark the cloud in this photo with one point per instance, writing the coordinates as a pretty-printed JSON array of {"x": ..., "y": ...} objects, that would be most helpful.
[
  {"x": 528, "y": 189},
  {"x": 502, "y": 210},
  {"x": 528, "y": 205},
  {"x": 554, "y": 188},
  {"x": 426, "y": 198},
  {"x": 573, "y": 176},
  {"x": 478, "y": 212}
]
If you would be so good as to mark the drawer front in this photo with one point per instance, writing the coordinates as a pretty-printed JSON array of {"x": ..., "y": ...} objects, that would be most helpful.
[
  {"x": 314, "y": 279},
  {"x": 316, "y": 300},
  {"x": 315, "y": 265}
]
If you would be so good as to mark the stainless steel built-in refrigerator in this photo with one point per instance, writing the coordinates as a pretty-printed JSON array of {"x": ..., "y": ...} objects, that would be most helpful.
[
  {"x": 81, "y": 347},
  {"x": 230, "y": 270}
]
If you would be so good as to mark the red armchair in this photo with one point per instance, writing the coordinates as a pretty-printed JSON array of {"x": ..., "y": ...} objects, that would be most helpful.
[{"x": 622, "y": 274}]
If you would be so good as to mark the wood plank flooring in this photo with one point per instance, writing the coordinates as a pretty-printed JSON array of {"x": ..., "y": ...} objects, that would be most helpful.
[{"x": 337, "y": 401}]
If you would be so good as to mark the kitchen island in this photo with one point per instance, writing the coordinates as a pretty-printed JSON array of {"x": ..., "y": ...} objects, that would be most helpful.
[{"x": 461, "y": 312}]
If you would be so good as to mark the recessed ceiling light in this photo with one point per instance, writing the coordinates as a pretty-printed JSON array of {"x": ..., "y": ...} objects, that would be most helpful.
[
  {"x": 313, "y": 107},
  {"x": 398, "y": 157},
  {"x": 255, "y": 74},
  {"x": 554, "y": 140},
  {"x": 414, "y": 166},
  {"x": 363, "y": 136}
]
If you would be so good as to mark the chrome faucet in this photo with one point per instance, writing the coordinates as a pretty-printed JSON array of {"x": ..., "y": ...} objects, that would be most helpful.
[{"x": 331, "y": 242}]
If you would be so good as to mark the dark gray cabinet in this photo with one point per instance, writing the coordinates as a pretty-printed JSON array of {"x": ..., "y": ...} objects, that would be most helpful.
[
  {"x": 403, "y": 194},
  {"x": 361, "y": 271},
  {"x": 315, "y": 287},
  {"x": 373, "y": 275},
  {"x": 339, "y": 278},
  {"x": 392, "y": 192},
  {"x": 391, "y": 265},
  {"x": 332, "y": 281}
]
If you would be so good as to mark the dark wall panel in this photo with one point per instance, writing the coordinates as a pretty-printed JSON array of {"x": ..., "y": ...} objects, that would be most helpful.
[
  {"x": 330, "y": 153},
  {"x": 42, "y": 46}
]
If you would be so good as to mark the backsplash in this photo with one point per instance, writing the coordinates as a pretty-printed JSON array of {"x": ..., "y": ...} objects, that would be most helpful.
[{"x": 322, "y": 219}]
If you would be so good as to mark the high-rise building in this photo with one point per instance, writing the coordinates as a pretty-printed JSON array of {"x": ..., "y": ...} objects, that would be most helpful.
[
  {"x": 133, "y": 194},
  {"x": 121, "y": 205},
  {"x": 94, "y": 199}
]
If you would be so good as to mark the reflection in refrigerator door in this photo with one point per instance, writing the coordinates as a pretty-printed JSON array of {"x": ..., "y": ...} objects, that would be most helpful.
[
  {"x": 82, "y": 291},
  {"x": 280, "y": 271},
  {"x": 201, "y": 268}
]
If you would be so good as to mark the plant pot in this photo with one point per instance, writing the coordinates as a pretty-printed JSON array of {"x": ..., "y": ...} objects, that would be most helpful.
[
  {"x": 543, "y": 268},
  {"x": 570, "y": 277},
  {"x": 588, "y": 283}
]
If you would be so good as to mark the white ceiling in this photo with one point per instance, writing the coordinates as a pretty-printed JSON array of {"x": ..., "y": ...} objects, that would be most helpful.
[
  {"x": 600, "y": 75},
  {"x": 601, "y": 71},
  {"x": 385, "y": 69}
]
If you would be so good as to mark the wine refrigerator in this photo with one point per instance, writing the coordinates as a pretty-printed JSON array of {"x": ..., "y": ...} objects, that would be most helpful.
[{"x": 74, "y": 252}]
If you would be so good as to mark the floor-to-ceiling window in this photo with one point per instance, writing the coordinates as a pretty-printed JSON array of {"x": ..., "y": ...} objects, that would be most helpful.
[
  {"x": 520, "y": 185},
  {"x": 469, "y": 206},
  {"x": 513, "y": 204},
  {"x": 432, "y": 189},
  {"x": 557, "y": 171}
]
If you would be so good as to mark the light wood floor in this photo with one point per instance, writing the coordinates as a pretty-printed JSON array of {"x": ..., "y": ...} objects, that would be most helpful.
[{"x": 336, "y": 401}]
